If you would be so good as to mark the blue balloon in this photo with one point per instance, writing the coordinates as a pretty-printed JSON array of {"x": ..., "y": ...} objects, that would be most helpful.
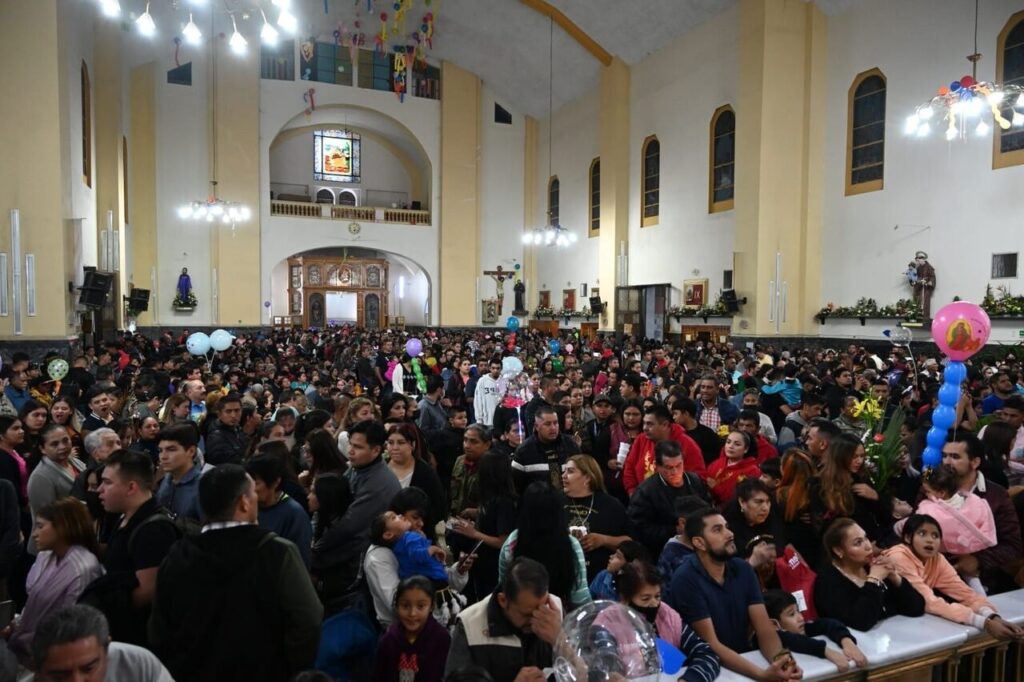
[
  {"x": 944, "y": 417},
  {"x": 954, "y": 86},
  {"x": 512, "y": 323},
  {"x": 937, "y": 437},
  {"x": 949, "y": 394},
  {"x": 931, "y": 457},
  {"x": 955, "y": 373},
  {"x": 198, "y": 344},
  {"x": 554, "y": 346}
]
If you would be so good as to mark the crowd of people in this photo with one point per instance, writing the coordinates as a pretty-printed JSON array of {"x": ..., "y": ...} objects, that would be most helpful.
[{"x": 320, "y": 505}]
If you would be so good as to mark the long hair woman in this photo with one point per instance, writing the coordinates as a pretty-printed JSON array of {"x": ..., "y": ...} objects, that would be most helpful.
[
  {"x": 34, "y": 416},
  {"x": 543, "y": 535},
  {"x": 793, "y": 497},
  {"x": 844, "y": 488}
]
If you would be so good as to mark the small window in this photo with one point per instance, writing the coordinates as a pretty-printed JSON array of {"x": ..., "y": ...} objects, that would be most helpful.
[
  {"x": 727, "y": 279},
  {"x": 325, "y": 63},
  {"x": 865, "y": 142},
  {"x": 553, "y": 187},
  {"x": 1008, "y": 145},
  {"x": 1004, "y": 265},
  {"x": 86, "y": 126},
  {"x": 376, "y": 70},
  {"x": 501, "y": 115},
  {"x": 651, "y": 181},
  {"x": 723, "y": 159},
  {"x": 595, "y": 197},
  {"x": 276, "y": 62}
]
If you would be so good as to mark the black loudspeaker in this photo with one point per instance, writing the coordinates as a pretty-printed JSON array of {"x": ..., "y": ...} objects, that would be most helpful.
[
  {"x": 595, "y": 304},
  {"x": 138, "y": 300},
  {"x": 732, "y": 303},
  {"x": 98, "y": 280},
  {"x": 92, "y": 298}
]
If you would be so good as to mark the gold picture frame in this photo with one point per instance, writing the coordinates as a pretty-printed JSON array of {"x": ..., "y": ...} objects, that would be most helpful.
[{"x": 695, "y": 293}]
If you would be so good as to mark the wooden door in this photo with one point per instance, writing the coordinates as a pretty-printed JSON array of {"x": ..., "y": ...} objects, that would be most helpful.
[
  {"x": 317, "y": 311},
  {"x": 371, "y": 311}
]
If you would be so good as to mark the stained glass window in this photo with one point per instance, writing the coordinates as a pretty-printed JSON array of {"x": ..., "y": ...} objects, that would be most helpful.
[{"x": 336, "y": 155}]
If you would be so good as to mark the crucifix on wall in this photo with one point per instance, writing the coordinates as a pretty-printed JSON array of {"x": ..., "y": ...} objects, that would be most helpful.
[{"x": 499, "y": 276}]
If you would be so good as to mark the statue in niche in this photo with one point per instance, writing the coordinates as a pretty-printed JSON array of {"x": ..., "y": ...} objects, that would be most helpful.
[
  {"x": 183, "y": 296},
  {"x": 373, "y": 276},
  {"x": 520, "y": 292},
  {"x": 921, "y": 275}
]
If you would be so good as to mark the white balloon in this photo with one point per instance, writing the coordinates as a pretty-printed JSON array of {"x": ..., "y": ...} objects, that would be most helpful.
[
  {"x": 220, "y": 340},
  {"x": 198, "y": 344},
  {"x": 511, "y": 364}
]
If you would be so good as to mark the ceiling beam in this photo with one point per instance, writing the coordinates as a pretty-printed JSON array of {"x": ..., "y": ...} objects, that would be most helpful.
[{"x": 569, "y": 26}]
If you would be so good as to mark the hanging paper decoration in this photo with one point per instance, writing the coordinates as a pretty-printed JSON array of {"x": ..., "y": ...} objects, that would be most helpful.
[
  {"x": 399, "y": 73},
  {"x": 307, "y": 55},
  {"x": 382, "y": 35},
  {"x": 400, "y": 7},
  {"x": 427, "y": 29}
]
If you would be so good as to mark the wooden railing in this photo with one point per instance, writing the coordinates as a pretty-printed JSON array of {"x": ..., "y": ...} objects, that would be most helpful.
[{"x": 369, "y": 214}]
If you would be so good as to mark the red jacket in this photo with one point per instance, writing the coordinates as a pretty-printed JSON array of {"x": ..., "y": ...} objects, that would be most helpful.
[
  {"x": 722, "y": 477},
  {"x": 640, "y": 461},
  {"x": 765, "y": 450}
]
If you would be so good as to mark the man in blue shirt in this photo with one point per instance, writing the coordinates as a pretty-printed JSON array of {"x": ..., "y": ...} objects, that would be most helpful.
[
  {"x": 718, "y": 595},
  {"x": 17, "y": 390}
]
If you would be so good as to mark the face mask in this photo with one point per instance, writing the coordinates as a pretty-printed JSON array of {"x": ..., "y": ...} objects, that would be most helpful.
[{"x": 650, "y": 613}]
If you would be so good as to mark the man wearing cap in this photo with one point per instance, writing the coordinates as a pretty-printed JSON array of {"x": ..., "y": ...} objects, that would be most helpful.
[{"x": 924, "y": 283}]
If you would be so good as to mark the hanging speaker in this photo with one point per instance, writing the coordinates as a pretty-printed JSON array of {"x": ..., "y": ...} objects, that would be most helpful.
[
  {"x": 138, "y": 300},
  {"x": 595, "y": 304}
]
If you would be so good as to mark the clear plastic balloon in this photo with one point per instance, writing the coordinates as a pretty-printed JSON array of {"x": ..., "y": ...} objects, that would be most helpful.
[
  {"x": 900, "y": 336},
  {"x": 198, "y": 344},
  {"x": 604, "y": 640},
  {"x": 57, "y": 369},
  {"x": 511, "y": 364}
]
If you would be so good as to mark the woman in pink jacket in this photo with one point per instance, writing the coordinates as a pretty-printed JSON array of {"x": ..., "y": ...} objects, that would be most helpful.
[{"x": 919, "y": 562}]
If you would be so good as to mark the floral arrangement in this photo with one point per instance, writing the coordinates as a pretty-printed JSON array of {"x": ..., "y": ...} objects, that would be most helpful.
[
  {"x": 576, "y": 314},
  {"x": 1001, "y": 303},
  {"x": 717, "y": 309},
  {"x": 542, "y": 311},
  {"x": 189, "y": 301},
  {"x": 882, "y": 447},
  {"x": 903, "y": 309}
]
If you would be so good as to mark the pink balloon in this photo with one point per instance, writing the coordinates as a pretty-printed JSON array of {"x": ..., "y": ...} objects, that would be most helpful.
[
  {"x": 960, "y": 330},
  {"x": 569, "y": 347}
]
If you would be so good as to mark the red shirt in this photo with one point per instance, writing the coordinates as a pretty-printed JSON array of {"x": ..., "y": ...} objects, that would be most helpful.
[
  {"x": 765, "y": 450},
  {"x": 723, "y": 477},
  {"x": 639, "y": 464}
]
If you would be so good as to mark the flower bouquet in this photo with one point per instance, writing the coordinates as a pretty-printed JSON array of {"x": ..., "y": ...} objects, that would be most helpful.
[
  {"x": 190, "y": 301},
  {"x": 882, "y": 447},
  {"x": 542, "y": 311}
]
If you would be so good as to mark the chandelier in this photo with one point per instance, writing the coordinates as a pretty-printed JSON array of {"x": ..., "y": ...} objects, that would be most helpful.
[
  {"x": 551, "y": 234},
  {"x": 956, "y": 106},
  {"x": 213, "y": 208}
]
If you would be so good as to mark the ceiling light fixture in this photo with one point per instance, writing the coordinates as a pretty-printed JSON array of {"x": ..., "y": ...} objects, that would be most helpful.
[
  {"x": 552, "y": 234},
  {"x": 287, "y": 21},
  {"x": 969, "y": 98},
  {"x": 237, "y": 42},
  {"x": 268, "y": 34},
  {"x": 111, "y": 8},
  {"x": 145, "y": 23},
  {"x": 191, "y": 32}
]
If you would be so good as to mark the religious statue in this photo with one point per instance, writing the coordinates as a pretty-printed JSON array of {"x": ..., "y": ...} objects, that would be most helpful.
[
  {"x": 921, "y": 276},
  {"x": 499, "y": 276},
  {"x": 520, "y": 291},
  {"x": 183, "y": 296}
]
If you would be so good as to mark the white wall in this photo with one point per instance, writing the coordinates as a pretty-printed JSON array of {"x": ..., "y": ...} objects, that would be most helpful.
[
  {"x": 501, "y": 198},
  {"x": 675, "y": 92},
  {"x": 940, "y": 197},
  {"x": 291, "y": 161}
]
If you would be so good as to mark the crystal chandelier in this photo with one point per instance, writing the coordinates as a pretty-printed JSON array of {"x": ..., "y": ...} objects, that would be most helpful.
[
  {"x": 958, "y": 105},
  {"x": 213, "y": 209}
]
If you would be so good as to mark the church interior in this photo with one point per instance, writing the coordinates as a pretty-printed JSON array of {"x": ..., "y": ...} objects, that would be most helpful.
[{"x": 688, "y": 170}]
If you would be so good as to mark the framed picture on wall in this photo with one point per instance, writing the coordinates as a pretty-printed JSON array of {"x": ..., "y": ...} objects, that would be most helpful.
[
  {"x": 544, "y": 298},
  {"x": 695, "y": 293}
]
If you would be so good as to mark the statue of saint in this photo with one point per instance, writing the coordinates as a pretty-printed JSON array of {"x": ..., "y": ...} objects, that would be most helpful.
[
  {"x": 520, "y": 291},
  {"x": 184, "y": 285},
  {"x": 923, "y": 281}
]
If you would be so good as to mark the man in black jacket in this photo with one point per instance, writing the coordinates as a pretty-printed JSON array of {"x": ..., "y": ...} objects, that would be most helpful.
[
  {"x": 652, "y": 506},
  {"x": 545, "y": 398},
  {"x": 236, "y": 601},
  {"x": 541, "y": 456},
  {"x": 227, "y": 442}
]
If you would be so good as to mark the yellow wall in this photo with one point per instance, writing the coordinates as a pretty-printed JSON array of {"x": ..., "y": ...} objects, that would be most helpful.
[
  {"x": 142, "y": 172},
  {"x": 460, "y": 196},
  {"x": 235, "y": 252},
  {"x": 780, "y": 118},
  {"x": 613, "y": 126},
  {"x": 30, "y": 160}
]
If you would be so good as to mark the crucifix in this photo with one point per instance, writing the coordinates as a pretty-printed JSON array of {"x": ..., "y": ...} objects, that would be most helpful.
[{"x": 499, "y": 276}]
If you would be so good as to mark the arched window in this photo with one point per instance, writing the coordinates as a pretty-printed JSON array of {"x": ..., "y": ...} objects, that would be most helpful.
[
  {"x": 346, "y": 198},
  {"x": 595, "y": 197},
  {"x": 1008, "y": 145},
  {"x": 553, "y": 200},
  {"x": 865, "y": 141},
  {"x": 650, "y": 181},
  {"x": 86, "y": 126},
  {"x": 325, "y": 196},
  {"x": 723, "y": 159}
]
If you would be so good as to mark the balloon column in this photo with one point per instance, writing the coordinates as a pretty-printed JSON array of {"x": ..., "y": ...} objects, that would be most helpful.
[{"x": 960, "y": 330}]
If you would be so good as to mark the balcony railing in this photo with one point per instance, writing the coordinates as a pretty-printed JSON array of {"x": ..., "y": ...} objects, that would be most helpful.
[{"x": 369, "y": 214}]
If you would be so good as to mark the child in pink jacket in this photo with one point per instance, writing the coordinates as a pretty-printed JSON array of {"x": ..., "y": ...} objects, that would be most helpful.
[{"x": 919, "y": 562}]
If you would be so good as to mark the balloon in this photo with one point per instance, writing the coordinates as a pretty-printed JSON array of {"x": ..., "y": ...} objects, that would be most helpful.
[
  {"x": 198, "y": 344},
  {"x": 421, "y": 383},
  {"x": 955, "y": 373},
  {"x": 936, "y": 438},
  {"x": 954, "y": 86},
  {"x": 413, "y": 347},
  {"x": 900, "y": 336},
  {"x": 569, "y": 347},
  {"x": 605, "y": 640},
  {"x": 943, "y": 91},
  {"x": 517, "y": 266},
  {"x": 949, "y": 393},
  {"x": 220, "y": 340},
  {"x": 966, "y": 81},
  {"x": 931, "y": 457},
  {"x": 944, "y": 416},
  {"x": 511, "y": 364},
  {"x": 512, "y": 323},
  {"x": 960, "y": 329},
  {"x": 57, "y": 369},
  {"x": 554, "y": 345}
]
